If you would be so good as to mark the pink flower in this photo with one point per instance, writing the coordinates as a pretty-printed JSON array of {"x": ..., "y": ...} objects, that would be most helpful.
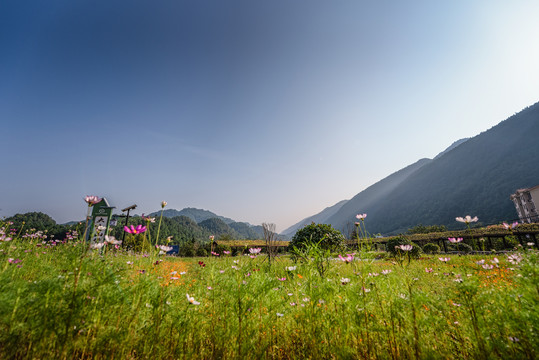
[
  {"x": 282, "y": 279},
  {"x": 212, "y": 237},
  {"x": 385, "y": 272},
  {"x": 454, "y": 241},
  {"x": 147, "y": 218},
  {"x": 163, "y": 204},
  {"x": 428, "y": 270},
  {"x": 467, "y": 219},
  {"x": 348, "y": 259},
  {"x": 255, "y": 250},
  {"x": 488, "y": 267},
  {"x": 404, "y": 247},
  {"x": 444, "y": 259},
  {"x": 512, "y": 226},
  {"x": 226, "y": 252},
  {"x": 135, "y": 230},
  {"x": 361, "y": 216},
  {"x": 92, "y": 199},
  {"x": 214, "y": 253}
]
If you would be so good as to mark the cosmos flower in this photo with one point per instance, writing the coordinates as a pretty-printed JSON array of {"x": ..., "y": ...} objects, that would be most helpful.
[
  {"x": 255, "y": 250},
  {"x": 112, "y": 240},
  {"x": 92, "y": 199},
  {"x": 348, "y": 259},
  {"x": 444, "y": 259},
  {"x": 385, "y": 272},
  {"x": 467, "y": 219},
  {"x": 454, "y": 240},
  {"x": 164, "y": 248},
  {"x": 515, "y": 258},
  {"x": 163, "y": 204},
  {"x": 192, "y": 300},
  {"x": 147, "y": 218},
  {"x": 361, "y": 216},
  {"x": 404, "y": 247},
  {"x": 135, "y": 230},
  {"x": 291, "y": 268},
  {"x": 512, "y": 226}
]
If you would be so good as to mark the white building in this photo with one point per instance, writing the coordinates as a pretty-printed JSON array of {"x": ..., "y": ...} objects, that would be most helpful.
[{"x": 526, "y": 202}]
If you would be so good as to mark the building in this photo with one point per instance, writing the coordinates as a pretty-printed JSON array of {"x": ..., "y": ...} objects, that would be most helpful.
[{"x": 526, "y": 202}]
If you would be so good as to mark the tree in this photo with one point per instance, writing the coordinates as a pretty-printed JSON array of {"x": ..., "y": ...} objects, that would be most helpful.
[
  {"x": 322, "y": 234},
  {"x": 270, "y": 238}
]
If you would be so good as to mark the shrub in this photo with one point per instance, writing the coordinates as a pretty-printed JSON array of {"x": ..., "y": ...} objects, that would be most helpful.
[
  {"x": 202, "y": 252},
  {"x": 461, "y": 247},
  {"x": 431, "y": 248},
  {"x": 187, "y": 250},
  {"x": 324, "y": 235}
]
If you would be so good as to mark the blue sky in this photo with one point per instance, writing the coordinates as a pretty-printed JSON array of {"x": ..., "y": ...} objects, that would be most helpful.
[{"x": 258, "y": 111}]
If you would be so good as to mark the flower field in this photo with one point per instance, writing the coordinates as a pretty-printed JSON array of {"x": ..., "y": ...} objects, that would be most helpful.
[{"x": 65, "y": 300}]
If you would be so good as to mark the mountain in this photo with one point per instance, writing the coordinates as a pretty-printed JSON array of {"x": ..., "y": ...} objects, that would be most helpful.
[
  {"x": 475, "y": 176},
  {"x": 207, "y": 220},
  {"x": 451, "y": 147},
  {"x": 198, "y": 215}
]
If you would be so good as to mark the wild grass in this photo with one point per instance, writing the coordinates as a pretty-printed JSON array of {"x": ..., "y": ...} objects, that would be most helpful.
[{"x": 63, "y": 300}]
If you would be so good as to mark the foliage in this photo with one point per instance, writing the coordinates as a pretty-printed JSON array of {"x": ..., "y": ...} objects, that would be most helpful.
[
  {"x": 314, "y": 255},
  {"x": 323, "y": 235},
  {"x": 64, "y": 302},
  {"x": 422, "y": 229},
  {"x": 431, "y": 248},
  {"x": 461, "y": 247}
]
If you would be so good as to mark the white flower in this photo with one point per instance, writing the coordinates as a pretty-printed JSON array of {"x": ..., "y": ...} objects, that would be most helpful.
[
  {"x": 192, "y": 300},
  {"x": 291, "y": 268},
  {"x": 345, "y": 281},
  {"x": 164, "y": 248},
  {"x": 112, "y": 240},
  {"x": 467, "y": 219},
  {"x": 97, "y": 245}
]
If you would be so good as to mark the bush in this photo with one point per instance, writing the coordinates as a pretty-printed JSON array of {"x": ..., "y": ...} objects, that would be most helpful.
[
  {"x": 324, "y": 234},
  {"x": 202, "y": 252},
  {"x": 462, "y": 247},
  {"x": 187, "y": 250},
  {"x": 431, "y": 248}
]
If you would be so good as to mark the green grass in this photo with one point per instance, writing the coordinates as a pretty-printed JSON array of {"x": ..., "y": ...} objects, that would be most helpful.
[{"x": 63, "y": 302}]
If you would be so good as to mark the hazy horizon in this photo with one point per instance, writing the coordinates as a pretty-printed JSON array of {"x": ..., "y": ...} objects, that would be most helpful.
[{"x": 259, "y": 112}]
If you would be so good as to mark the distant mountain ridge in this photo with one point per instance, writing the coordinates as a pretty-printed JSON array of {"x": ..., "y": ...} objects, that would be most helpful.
[
  {"x": 206, "y": 219},
  {"x": 198, "y": 215},
  {"x": 473, "y": 176}
]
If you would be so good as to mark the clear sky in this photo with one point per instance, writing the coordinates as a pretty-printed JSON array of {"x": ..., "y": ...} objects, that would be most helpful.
[{"x": 261, "y": 111}]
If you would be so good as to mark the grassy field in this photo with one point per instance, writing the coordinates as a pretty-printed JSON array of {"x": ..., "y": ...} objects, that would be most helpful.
[{"x": 64, "y": 300}]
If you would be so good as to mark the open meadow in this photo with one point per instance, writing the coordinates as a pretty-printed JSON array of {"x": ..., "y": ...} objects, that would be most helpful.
[{"x": 66, "y": 300}]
